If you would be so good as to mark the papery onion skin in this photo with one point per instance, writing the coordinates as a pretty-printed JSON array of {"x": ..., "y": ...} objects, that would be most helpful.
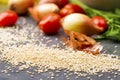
[
  {"x": 39, "y": 11},
  {"x": 80, "y": 23},
  {"x": 20, "y": 6}
]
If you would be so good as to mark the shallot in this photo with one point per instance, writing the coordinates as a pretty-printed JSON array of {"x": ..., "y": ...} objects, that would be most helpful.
[
  {"x": 20, "y": 6},
  {"x": 80, "y": 23},
  {"x": 39, "y": 11}
]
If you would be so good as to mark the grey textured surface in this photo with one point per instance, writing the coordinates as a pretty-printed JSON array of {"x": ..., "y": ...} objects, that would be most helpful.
[{"x": 110, "y": 47}]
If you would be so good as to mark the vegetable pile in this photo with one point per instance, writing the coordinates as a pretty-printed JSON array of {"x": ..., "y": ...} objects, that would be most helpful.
[{"x": 73, "y": 18}]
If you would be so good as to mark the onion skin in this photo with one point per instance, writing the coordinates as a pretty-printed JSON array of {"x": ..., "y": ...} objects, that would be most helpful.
[
  {"x": 80, "y": 23},
  {"x": 20, "y": 6},
  {"x": 39, "y": 11}
]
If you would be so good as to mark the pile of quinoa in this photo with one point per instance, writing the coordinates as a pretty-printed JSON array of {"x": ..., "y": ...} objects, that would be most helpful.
[{"x": 24, "y": 46}]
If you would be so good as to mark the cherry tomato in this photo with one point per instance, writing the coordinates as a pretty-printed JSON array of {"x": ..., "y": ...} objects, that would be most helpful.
[
  {"x": 101, "y": 22},
  {"x": 71, "y": 8},
  {"x": 8, "y": 18},
  {"x": 59, "y": 3},
  {"x": 62, "y": 3},
  {"x": 50, "y": 24}
]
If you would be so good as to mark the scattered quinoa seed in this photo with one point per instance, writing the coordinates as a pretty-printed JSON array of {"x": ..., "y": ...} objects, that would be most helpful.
[{"x": 18, "y": 48}]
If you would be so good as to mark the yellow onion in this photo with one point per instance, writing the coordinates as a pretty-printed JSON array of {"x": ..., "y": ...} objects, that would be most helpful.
[{"x": 20, "y": 6}]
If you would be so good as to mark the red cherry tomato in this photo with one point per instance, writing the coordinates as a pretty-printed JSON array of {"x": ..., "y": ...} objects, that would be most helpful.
[
  {"x": 59, "y": 3},
  {"x": 8, "y": 18},
  {"x": 50, "y": 24},
  {"x": 71, "y": 8},
  {"x": 101, "y": 22},
  {"x": 62, "y": 3}
]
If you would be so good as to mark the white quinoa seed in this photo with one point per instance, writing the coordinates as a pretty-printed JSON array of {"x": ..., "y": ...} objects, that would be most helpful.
[
  {"x": 114, "y": 76},
  {"x": 18, "y": 46},
  {"x": 8, "y": 74}
]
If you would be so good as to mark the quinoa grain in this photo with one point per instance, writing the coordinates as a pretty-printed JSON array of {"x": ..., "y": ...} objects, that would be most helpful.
[{"x": 18, "y": 46}]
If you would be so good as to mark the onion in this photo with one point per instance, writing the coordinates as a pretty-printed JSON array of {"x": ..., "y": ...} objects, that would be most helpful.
[
  {"x": 20, "y": 6},
  {"x": 39, "y": 11},
  {"x": 80, "y": 23}
]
